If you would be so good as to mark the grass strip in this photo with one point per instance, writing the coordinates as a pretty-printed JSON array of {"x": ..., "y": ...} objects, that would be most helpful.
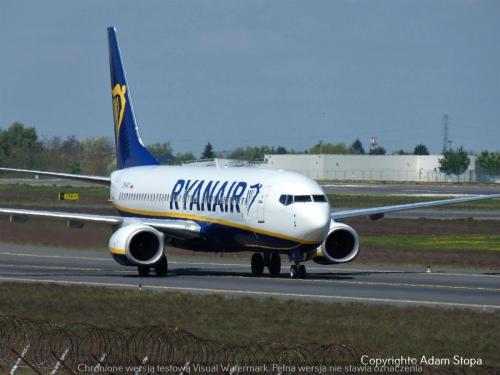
[
  {"x": 384, "y": 329},
  {"x": 435, "y": 243}
]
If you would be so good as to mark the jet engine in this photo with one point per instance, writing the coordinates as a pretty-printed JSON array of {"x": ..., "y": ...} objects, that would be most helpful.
[
  {"x": 340, "y": 246},
  {"x": 136, "y": 244}
]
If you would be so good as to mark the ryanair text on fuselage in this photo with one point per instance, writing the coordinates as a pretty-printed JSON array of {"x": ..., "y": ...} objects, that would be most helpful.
[{"x": 211, "y": 195}]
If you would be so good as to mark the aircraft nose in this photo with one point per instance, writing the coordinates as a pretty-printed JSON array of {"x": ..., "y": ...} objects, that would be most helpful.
[{"x": 315, "y": 220}]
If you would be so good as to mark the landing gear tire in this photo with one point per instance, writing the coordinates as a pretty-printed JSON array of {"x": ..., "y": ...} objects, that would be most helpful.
[
  {"x": 161, "y": 267},
  {"x": 302, "y": 271},
  {"x": 257, "y": 264},
  {"x": 274, "y": 264},
  {"x": 297, "y": 271},
  {"x": 143, "y": 270}
]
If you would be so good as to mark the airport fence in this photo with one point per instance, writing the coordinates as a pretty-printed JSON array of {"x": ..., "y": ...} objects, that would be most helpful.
[{"x": 28, "y": 346}]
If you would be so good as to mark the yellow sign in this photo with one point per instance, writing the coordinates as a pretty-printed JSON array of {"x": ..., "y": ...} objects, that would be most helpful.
[{"x": 69, "y": 196}]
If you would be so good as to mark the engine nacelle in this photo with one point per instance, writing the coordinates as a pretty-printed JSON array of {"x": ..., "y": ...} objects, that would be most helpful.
[
  {"x": 340, "y": 246},
  {"x": 136, "y": 244}
]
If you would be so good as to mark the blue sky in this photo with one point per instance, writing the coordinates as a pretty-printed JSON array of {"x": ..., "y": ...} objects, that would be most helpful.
[{"x": 239, "y": 73}]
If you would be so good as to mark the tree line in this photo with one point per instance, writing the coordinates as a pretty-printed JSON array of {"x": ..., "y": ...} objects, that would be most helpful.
[{"x": 20, "y": 147}]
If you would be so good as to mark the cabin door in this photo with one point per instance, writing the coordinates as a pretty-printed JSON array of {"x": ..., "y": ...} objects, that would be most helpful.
[{"x": 261, "y": 204}]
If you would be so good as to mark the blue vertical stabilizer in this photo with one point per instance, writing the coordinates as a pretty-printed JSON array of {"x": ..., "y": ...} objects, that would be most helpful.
[{"x": 130, "y": 151}]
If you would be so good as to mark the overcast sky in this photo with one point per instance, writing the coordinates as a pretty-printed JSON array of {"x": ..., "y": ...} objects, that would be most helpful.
[{"x": 239, "y": 73}]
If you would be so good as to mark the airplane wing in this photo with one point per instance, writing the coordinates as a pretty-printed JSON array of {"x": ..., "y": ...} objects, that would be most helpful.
[
  {"x": 184, "y": 229},
  {"x": 94, "y": 179},
  {"x": 378, "y": 212}
]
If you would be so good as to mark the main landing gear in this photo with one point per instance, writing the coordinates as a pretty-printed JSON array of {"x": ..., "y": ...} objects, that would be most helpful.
[
  {"x": 270, "y": 260},
  {"x": 160, "y": 267}
]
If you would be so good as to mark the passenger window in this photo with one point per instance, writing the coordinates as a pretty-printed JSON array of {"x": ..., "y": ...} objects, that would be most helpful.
[{"x": 302, "y": 198}]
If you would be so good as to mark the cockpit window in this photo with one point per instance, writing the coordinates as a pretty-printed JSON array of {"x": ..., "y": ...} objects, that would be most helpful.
[
  {"x": 283, "y": 199},
  {"x": 286, "y": 199},
  {"x": 319, "y": 198},
  {"x": 289, "y": 199},
  {"x": 302, "y": 198}
]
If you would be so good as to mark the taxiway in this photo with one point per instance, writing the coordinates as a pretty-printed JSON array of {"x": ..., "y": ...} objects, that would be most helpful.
[{"x": 395, "y": 285}]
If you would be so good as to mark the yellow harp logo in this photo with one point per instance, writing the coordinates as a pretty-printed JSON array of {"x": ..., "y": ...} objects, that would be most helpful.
[{"x": 118, "y": 106}]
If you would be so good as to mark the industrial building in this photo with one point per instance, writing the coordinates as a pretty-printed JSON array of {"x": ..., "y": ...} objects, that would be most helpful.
[
  {"x": 368, "y": 167},
  {"x": 355, "y": 167}
]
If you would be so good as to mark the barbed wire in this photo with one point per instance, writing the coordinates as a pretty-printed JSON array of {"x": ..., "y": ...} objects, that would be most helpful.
[{"x": 46, "y": 348}]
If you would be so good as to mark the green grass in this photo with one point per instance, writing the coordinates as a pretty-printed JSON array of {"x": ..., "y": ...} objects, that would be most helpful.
[
  {"x": 29, "y": 195},
  {"x": 435, "y": 243},
  {"x": 382, "y": 329},
  {"x": 52, "y": 188}
]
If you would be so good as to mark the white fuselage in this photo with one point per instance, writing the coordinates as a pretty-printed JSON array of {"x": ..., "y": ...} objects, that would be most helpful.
[{"x": 238, "y": 208}]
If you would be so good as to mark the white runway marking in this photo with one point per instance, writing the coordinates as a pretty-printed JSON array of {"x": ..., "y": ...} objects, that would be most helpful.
[
  {"x": 409, "y": 285},
  {"x": 346, "y": 282},
  {"x": 258, "y": 293}
]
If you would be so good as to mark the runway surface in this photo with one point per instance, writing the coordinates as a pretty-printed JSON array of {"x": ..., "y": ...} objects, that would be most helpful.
[{"x": 404, "y": 286}]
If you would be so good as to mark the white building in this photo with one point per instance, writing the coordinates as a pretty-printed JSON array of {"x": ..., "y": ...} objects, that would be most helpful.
[
  {"x": 354, "y": 167},
  {"x": 367, "y": 167}
]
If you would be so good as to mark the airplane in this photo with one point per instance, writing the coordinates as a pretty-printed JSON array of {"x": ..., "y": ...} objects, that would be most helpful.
[{"x": 264, "y": 211}]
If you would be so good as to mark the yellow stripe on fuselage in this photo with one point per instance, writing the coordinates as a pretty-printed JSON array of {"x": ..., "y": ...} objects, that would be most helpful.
[{"x": 179, "y": 215}]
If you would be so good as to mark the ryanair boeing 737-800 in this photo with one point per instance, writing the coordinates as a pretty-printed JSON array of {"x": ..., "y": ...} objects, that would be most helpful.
[{"x": 264, "y": 211}]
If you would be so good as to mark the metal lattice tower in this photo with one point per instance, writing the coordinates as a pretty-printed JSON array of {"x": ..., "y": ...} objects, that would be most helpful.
[{"x": 445, "y": 132}]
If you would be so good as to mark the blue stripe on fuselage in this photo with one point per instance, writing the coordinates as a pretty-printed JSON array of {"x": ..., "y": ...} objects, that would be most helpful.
[{"x": 219, "y": 237}]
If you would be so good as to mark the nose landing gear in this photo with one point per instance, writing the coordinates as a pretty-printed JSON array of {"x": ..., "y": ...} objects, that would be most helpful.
[{"x": 297, "y": 270}]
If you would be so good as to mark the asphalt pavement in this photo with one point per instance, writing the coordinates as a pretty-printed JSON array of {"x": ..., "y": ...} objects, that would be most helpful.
[{"x": 354, "y": 282}]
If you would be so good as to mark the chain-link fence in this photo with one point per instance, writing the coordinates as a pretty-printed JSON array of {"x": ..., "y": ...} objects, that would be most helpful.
[{"x": 28, "y": 346}]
